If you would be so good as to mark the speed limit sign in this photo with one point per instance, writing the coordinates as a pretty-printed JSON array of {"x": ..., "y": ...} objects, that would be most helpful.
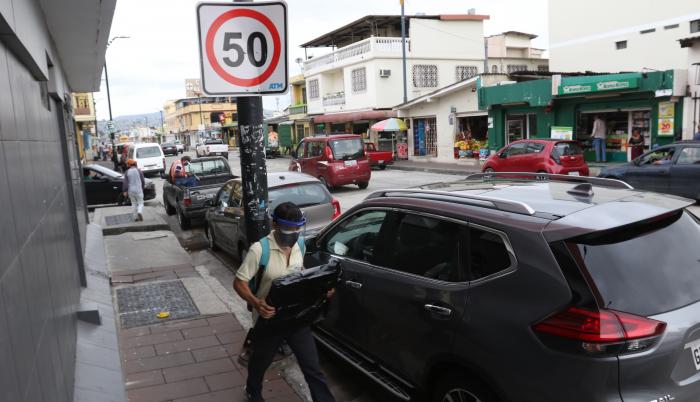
[{"x": 243, "y": 47}]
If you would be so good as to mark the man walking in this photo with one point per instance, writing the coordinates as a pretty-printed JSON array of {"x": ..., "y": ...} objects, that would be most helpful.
[
  {"x": 284, "y": 257},
  {"x": 132, "y": 186},
  {"x": 599, "y": 136},
  {"x": 696, "y": 137}
]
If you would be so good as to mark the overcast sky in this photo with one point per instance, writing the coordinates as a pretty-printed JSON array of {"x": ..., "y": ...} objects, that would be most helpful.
[{"x": 151, "y": 66}]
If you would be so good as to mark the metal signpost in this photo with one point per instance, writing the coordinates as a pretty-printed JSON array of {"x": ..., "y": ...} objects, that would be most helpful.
[{"x": 243, "y": 52}]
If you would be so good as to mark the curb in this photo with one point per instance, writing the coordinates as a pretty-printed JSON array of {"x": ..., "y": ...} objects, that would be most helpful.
[
  {"x": 433, "y": 170},
  {"x": 118, "y": 230}
]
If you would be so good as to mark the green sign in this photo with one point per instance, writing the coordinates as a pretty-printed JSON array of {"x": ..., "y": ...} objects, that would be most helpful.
[{"x": 592, "y": 85}]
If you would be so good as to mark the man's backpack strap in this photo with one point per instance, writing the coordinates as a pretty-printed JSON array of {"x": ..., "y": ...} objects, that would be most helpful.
[
  {"x": 262, "y": 265},
  {"x": 302, "y": 246}
]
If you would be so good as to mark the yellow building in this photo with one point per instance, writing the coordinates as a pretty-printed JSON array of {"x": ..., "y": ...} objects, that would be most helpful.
[
  {"x": 302, "y": 126},
  {"x": 84, "y": 116},
  {"x": 213, "y": 116}
]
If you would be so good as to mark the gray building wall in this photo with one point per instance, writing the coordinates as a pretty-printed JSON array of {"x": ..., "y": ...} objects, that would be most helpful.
[{"x": 41, "y": 206}]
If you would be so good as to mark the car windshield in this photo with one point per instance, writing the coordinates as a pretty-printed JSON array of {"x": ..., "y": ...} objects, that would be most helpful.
[
  {"x": 646, "y": 269},
  {"x": 167, "y": 145},
  {"x": 208, "y": 142},
  {"x": 347, "y": 149},
  {"x": 105, "y": 171},
  {"x": 567, "y": 149},
  {"x": 302, "y": 194},
  {"x": 206, "y": 167},
  {"x": 148, "y": 152}
]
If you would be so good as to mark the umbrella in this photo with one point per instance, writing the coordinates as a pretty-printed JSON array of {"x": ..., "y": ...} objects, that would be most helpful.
[{"x": 392, "y": 124}]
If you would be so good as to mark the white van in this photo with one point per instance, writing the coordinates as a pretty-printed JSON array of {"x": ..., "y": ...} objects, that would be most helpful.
[{"x": 149, "y": 157}]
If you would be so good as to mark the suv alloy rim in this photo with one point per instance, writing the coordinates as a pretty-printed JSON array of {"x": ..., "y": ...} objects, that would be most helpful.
[{"x": 460, "y": 395}]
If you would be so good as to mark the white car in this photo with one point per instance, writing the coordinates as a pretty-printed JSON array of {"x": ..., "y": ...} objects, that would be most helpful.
[
  {"x": 212, "y": 146},
  {"x": 179, "y": 146},
  {"x": 148, "y": 156}
]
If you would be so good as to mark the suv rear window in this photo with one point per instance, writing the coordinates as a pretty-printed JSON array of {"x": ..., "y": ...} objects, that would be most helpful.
[
  {"x": 648, "y": 269},
  {"x": 303, "y": 195},
  {"x": 206, "y": 167},
  {"x": 148, "y": 152},
  {"x": 209, "y": 142},
  {"x": 347, "y": 149},
  {"x": 567, "y": 149}
]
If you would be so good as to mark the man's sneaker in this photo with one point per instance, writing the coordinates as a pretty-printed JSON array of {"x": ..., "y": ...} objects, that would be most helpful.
[
  {"x": 253, "y": 398},
  {"x": 140, "y": 218}
]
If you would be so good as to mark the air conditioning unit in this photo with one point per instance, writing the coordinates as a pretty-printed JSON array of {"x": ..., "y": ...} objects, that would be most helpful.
[{"x": 385, "y": 73}]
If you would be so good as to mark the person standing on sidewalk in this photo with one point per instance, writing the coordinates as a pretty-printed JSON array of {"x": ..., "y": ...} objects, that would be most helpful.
[
  {"x": 599, "y": 134},
  {"x": 132, "y": 186},
  {"x": 285, "y": 257},
  {"x": 696, "y": 136}
]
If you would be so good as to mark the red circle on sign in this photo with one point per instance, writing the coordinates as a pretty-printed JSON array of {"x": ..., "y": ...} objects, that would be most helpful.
[{"x": 243, "y": 12}]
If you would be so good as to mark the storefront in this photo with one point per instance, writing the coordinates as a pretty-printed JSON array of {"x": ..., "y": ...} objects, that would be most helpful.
[{"x": 565, "y": 107}]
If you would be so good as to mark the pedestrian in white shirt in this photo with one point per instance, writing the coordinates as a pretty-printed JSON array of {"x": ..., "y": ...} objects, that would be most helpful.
[
  {"x": 598, "y": 134},
  {"x": 132, "y": 186}
]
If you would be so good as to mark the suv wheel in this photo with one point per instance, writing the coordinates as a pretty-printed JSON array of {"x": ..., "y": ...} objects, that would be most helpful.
[
  {"x": 489, "y": 170},
  {"x": 458, "y": 387},
  {"x": 543, "y": 177},
  {"x": 168, "y": 208},
  {"x": 363, "y": 185},
  {"x": 212, "y": 242},
  {"x": 182, "y": 220}
]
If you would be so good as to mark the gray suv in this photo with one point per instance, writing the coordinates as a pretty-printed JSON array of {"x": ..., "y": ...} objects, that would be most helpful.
[{"x": 518, "y": 288}]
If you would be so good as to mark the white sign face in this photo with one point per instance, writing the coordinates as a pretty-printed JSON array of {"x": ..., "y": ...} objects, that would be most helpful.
[{"x": 243, "y": 47}]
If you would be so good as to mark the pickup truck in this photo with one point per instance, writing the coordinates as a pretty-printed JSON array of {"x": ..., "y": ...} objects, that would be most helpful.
[
  {"x": 212, "y": 146},
  {"x": 180, "y": 147},
  {"x": 191, "y": 200},
  {"x": 378, "y": 158}
]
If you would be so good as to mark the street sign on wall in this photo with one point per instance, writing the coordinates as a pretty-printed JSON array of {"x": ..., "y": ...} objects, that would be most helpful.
[{"x": 243, "y": 47}]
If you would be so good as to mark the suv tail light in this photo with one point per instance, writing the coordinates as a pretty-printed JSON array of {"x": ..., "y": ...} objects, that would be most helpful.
[
  {"x": 186, "y": 200},
  {"x": 336, "y": 209},
  {"x": 603, "y": 332},
  {"x": 328, "y": 153}
]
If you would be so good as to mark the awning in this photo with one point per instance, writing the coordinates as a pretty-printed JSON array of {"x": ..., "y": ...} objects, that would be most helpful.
[{"x": 354, "y": 116}]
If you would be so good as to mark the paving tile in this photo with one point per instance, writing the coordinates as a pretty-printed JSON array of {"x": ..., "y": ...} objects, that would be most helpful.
[
  {"x": 209, "y": 330},
  {"x": 181, "y": 372},
  {"x": 153, "y": 275},
  {"x": 212, "y": 353},
  {"x": 187, "y": 274},
  {"x": 276, "y": 389},
  {"x": 177, "y": 325},
  {"x": 139, "y": 353},
  {"x": 158, "y": 362},
  {"x": 144, "y": 379},
  {"x": 152, "y": 339},
  {"x": 166, "y": 392},
  {"x": 222, "y": 320},
  {"x": 227, "y": 395},
  {"x": 119, "y": 279},
  {"x": 131, "y": 332},
  {"x": 231, "y": 379},
  {"x": 232, "y": 337},
  {"x": 187, "y": 344},
  {"x": 132, "y": 271}
]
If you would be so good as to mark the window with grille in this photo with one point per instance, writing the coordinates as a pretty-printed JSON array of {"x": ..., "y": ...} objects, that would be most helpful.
[
  {"x": 543, "y": 68},
  {"x": 512, "y": 68},
  {"x": 621, "y": 45},
  {"x": 494, "y": 69},
  {"x": 464, "y": 72},
  {"x": 425, "y": 76},
  {"x": 313, "y": 89},
  {"x": 359, "y": 79},
  {"x": 694, "y": 26}
]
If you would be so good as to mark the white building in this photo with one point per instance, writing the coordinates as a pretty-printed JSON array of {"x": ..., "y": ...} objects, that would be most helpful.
[
  {"x": 624, "y": 35},
  {"x": 692, "y": 102},
  {"x": 360, "y": 81},
  {"x": 512, "y": 51}
]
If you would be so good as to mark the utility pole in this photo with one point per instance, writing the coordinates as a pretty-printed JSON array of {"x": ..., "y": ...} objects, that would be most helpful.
[
  {"x": 111, "y": 133},
  {"x": 403, "y": 51},
  {"x": 253, "y": 166}
]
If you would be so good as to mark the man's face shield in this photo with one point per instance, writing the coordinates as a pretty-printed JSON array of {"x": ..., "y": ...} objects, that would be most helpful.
[{"x": 288, "y": 231}]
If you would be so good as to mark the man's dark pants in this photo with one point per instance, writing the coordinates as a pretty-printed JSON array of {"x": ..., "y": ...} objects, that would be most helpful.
[{"x": 302, "y": 343}]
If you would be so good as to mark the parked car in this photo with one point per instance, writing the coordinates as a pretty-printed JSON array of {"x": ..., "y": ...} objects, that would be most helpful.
[
  {"x": 211, "y": 147},
  {"x": 180, "y": 146},
  {"x": 104, "y": 186},
  {"x": 672, "y": 169},
  {"x": 225, "y": 226},
  {"x": 491, "y": 288},
  {"x": 191, "y": 202},
  {"x": 336, "y": 160},
  {"x": 169, "y": 149},
  {"x": 539, "y": 156},
  {"x": 377, "y": 158},
  {"x": 148, "y": 156}
]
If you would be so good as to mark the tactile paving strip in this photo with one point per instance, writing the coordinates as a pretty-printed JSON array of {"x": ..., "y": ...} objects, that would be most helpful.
[
  {"x": 139, "y": 305},
  {"x": 122, "y": 219}
]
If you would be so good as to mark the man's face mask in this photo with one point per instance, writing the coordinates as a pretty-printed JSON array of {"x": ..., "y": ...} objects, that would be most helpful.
[{"x": 287, "y": 238}]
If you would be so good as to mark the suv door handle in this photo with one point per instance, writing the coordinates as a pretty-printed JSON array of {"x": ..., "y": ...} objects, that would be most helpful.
[
  {"x": 444, "y": 311},
  {"x": 354, "y": 285}
]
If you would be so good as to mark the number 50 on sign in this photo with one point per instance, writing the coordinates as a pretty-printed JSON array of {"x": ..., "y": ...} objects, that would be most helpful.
[{"x": 243, "y": 47}]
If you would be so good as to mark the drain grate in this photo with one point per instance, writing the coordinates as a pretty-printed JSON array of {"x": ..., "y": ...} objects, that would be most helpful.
[
  {"x": 138, "y": 305},
  {"x": 122, "y": 219}
]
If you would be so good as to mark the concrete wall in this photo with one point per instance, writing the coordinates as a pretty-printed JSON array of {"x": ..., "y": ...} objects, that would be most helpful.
[
  {"x": 583, "y": 34},
  {"x": 691, "y": 111},
  {"x": 447, "y": 39}
]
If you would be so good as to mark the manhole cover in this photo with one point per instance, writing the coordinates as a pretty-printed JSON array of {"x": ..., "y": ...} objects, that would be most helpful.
[
  {"x": 139, "y": 305},
  {"x": 122, "y": 219}
]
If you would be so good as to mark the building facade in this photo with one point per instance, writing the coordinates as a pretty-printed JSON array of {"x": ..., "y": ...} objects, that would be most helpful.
[
  {"x": 512, "y": 51},
  {"x": 360, "y": 81},
  {"x": 44, "y": 56},
  {"x": 298, "y": 109},
  {"x": 188, "y": 119}
]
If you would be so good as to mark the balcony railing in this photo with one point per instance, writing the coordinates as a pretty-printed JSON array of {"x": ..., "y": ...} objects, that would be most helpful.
[
  {"x": 374, "y": 44},
  {"x": 81, "y": 111},
  {"x": 334, "y": 99},
  {"x": 298, "y": 109}
]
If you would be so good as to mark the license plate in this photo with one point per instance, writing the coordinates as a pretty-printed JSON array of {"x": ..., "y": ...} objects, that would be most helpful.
[
  {"x": 205, "y": 197},
  {"x": 695, "y": 353},
  {"x": 351, "y": 163},
  {"x": 381, "y": 162},
  {"x": 574, "y": 174}
]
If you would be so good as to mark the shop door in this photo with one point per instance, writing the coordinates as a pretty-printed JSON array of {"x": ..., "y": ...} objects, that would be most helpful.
[{"x": 425, "y": 138}]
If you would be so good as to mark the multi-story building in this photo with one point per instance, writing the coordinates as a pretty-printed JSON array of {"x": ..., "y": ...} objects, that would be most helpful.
[
  {"x": 362, "y": 79},
  {"x": 84, "y": 116},
  {"x": 298, "y": 109},
  {"x": 512, "y": 51},
  {"x": 624, "y": 35},
  {"x": 188, "y": 118}
]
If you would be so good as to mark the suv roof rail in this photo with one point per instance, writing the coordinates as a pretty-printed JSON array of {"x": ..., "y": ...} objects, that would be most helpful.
[
  {"x": 598, "y": 181},
  {"x": 500, "y": 204}
]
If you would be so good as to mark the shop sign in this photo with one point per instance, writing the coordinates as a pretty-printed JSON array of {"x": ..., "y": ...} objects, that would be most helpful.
[
  {"x": 599, "y": 86},
  {"x": 667, "y": 113},
  {"x": 562, "y": 133}
]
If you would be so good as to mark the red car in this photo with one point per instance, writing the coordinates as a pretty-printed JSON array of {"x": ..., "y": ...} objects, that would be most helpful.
[
  {"x": 539, "y": 156},
  {"x": 336, "y": 160},
  {"x": 378, "y": 158}
]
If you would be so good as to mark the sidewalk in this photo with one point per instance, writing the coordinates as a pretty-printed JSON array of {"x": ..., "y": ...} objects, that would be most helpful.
[{"x": 462, "y": 168}]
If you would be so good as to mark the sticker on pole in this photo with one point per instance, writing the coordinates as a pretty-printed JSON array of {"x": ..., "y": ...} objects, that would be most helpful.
[{"x": 243, "y": 47}]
